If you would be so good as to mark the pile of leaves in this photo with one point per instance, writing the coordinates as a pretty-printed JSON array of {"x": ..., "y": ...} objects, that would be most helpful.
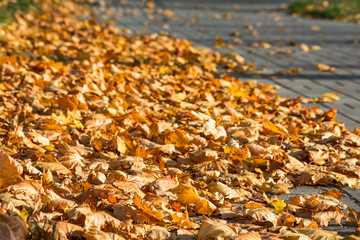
[{"x": 109, "y": 136}]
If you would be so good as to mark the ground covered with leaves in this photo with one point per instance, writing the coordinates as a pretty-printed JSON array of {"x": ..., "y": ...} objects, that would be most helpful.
[{"x": 108, "y": 136}]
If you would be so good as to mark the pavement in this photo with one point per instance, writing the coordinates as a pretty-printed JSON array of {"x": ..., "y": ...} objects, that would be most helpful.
[{"x": 262, "y": 28}]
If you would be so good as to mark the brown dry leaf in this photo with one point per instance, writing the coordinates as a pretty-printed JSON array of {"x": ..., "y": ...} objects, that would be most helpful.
[
  {"x": 203, "y": 155},
  {"x": 73, "y": 103},
  {"x": 158, "y": 232},
  {"x": 71, "y": 158},
  {"x": 10, "y": 170},
  {"x": 226, "y": 191},
  {"x": 63, "y": 230},
  {"x": 314, "y": 178},
  {"x": 249, "y": 236},
  {"x": 353, "y": 217},
  {"x": 317, "y": 233},
  {"x": 149, "y": 209},
  {"x": 166, "y": 148},
  {"x": 294, "y": 236},
  {"x": 333, "y": 193},
  {"x": 262, "y": 214},
  {"x": 328, "y": 97},
  {"x": 163, "y": 184},
  {"x": 290, "y": 71},
  {"x": 326, "y": 68},
  {"x": 281, "y": 51},
  {"x": 57, "y": 202},
  {"x": 93, "y": 233},
  {"x": 85, "y": 217},
  {"x": 315, "y": 28},
  {"x": 128, "y": 187},
  {"x": 183, "y": 220},
  {"x": 214, "y": 230},
  {"x": 323, "y": 218},
  {"x": 127, "y": 163},
  {"x": 54, "y": 167},
  {"x": 304, "y": 47}
]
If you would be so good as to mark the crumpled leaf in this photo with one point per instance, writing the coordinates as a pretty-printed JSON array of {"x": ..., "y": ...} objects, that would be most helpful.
[
  {"x": 353, "y": 217},
  {"x": 73, "y": 103},
  {"x": 54, "y": 167},
  {"x": 215, "y": 230},
  {"x": 262, "y": 214},
  {"x": 323, "y": 218},
  {"x": 10, "y": 170},
  {"x": 65, "y": 230},
  {"x": 226, "y": 191},
  {"x": 85, "y": 217},
  {"x": 158, "y": 232},
  {"x": 317, "y": 234}
]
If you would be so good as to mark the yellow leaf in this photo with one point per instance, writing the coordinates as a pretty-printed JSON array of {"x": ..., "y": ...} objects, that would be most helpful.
[
  {"x": 278, "y": 204},
  {"x": 24, "y": 214},
  {"x": 188, "y": 195},
  {"x": 329, "y": 97},
  {"x": 236, "y": 92},
  {"x": 120, "y": 145}
]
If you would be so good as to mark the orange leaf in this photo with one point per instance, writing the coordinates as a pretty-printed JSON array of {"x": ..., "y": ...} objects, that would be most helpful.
[{"x": 270, "y": 126}]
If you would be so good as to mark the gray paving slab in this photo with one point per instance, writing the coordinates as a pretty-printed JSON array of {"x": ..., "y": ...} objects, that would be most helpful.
[{"x": 201, "y": 20}]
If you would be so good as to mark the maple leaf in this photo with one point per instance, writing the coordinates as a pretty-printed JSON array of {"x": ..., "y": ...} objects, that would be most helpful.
[{"x": 323, "y": 218}]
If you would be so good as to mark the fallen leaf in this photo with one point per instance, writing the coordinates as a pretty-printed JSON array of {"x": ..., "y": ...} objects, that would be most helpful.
[
  {"x": 325, "y": 68},
  {"x": 188, "y": 195},
  {"x": 214, "y": 230},
  {"x": 10, "y": 170}
]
